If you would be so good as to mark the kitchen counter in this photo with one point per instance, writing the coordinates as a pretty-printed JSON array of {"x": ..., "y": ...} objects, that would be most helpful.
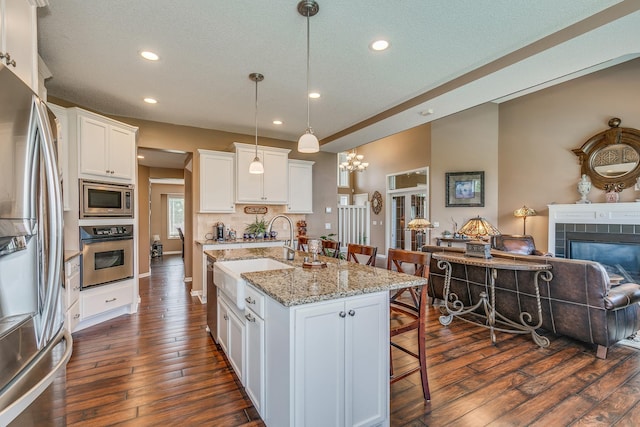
[
  {"x": 236, "y": 242},
  {"x": 298, "y": 285},
  {"x": 68, "y": 254}
]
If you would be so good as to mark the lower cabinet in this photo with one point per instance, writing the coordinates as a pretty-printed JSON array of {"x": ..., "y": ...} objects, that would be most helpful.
[
  {"x": 231, "y": 335},
  {"x": 328, "y": 363},
  {"x": 319, "y": 364},
  {"x": 71, "y": 295},
  {"x": 101, "y": 299},
  {"x": 254, "y": 372}
]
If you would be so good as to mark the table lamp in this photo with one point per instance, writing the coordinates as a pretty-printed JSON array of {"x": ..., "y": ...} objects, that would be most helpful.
[
  {"x": 420, "y": 225},
  {"x": 478, "y": 228},
  {"x": 523, "y": 213}
]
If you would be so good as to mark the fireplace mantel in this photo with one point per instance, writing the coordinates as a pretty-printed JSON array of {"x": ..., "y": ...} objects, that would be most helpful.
[{"x": 622, "y": 214}]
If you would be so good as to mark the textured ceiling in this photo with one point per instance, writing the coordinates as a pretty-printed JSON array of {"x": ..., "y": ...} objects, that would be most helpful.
[{"x": 209, "y": 47}]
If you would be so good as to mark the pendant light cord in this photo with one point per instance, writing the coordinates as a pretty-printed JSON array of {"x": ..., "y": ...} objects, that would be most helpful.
[
  {"x": 256, "y": 117},
  {"x": 308, "y": 67}
]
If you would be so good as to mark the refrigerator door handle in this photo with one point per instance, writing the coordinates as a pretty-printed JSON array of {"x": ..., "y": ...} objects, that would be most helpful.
[{"x": 54, "y": 257}]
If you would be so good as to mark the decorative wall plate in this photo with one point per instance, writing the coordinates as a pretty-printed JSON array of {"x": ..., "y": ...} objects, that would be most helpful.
[{"x": 376, "y": 202}]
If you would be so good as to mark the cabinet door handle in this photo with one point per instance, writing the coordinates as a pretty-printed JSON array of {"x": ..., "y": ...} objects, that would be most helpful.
[
  {"x": 352, "y": 313},
  {"x": 249, "y": 300},
  {"x": 77, "y": 316},
  {"x": 226, "y": 317},
  {"x": 107, "y": 171},
  {"x": 7, "y": 58},
  {"x": 342, "y": 314},
  {"x": 110, "y": 300},
  {"x": 249, "y": 317}
]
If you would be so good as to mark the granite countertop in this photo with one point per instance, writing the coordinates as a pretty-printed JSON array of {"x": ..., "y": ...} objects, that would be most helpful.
[
  {"x": 68, "y": 254},
  {"x": 300, "y": 285}
]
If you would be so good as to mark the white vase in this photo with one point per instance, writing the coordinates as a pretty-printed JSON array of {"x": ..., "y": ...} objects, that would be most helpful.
[{"x": 584, "y": 186}]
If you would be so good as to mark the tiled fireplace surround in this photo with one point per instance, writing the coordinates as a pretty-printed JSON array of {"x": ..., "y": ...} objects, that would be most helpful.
[{"x": 611, "y": 222}]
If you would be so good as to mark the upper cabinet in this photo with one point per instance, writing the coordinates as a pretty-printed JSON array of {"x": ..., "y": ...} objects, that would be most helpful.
[
  {"x": 107, "y": 148},
  {"x": 18, "y": 40},
  {"x": 269, "y": 187},
  {"x": 61, "y": 125},
  {"x": 217, "y": 189},
  {"x": 300, "y": 187}
]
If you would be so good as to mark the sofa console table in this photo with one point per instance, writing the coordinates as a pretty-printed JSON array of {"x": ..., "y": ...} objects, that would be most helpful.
[{"x": 495, "y": 321}]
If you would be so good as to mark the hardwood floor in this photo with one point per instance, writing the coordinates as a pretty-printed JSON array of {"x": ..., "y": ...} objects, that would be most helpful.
[{"x": 160, "y": 367}]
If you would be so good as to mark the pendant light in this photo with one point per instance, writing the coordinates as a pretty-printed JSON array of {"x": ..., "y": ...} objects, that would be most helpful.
[
  {"x": 308, "y": 143},
  {"x": 256, "y": 166}
]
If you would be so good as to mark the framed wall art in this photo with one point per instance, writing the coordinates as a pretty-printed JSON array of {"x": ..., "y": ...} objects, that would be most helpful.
[{"x": 465, "y": 189}]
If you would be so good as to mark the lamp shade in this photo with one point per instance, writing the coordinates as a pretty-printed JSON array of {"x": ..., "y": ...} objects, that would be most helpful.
[
  {"x": 256, "y": 166},
  {"x": 418, "y": 224},
  {"x": 308, "y": 143},
  {"x": 524, "y": 212},
  {"x": 478, "y": 227}
]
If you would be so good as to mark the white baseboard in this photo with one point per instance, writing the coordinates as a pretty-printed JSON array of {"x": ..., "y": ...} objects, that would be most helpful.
[
  {"x": 171, "y": 252},
  {"x": 187, "y": 280},
  {"x": 147, "y": 274}
]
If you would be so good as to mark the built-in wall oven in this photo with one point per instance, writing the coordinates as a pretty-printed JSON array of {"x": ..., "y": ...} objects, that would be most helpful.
[{"x": 107, "y": 254}]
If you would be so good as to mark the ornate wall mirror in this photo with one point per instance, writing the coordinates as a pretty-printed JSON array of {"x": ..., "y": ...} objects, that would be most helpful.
[{"x": 611, "y": 158}]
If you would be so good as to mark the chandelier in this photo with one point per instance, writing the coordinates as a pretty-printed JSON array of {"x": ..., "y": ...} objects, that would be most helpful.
[{"x": 354, "y": 163}]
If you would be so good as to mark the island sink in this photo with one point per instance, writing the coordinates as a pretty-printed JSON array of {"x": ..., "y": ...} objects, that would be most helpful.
[{"x": 227, "y": 275}]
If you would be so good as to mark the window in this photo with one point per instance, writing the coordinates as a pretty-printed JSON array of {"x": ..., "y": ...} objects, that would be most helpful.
[
  {"x": 343, "y": 175},
  {"x": 175, "y": 215}
]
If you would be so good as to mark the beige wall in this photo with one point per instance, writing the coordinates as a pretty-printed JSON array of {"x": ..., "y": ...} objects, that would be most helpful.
[
  {"x": 464, "y": 142},
  {"x": 538, "y": 132},
  {"x": 142, "y": 199},
  {"x": 397, "y": 153}
]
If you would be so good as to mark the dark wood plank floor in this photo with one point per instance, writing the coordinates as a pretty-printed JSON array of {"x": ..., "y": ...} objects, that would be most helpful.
[{"x": 159, "y": 367}]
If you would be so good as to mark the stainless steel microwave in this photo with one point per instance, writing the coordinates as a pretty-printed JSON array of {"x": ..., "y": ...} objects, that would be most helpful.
[{"x": 101, "y": 199}]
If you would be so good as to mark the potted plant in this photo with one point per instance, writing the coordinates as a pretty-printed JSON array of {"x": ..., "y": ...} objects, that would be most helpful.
[{"x": 258, "y": 228}]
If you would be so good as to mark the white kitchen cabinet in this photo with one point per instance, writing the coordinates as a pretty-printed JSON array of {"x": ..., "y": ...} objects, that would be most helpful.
[
  {"x": 327, "y": 362},
  {"x": 255, "y": 348},
  {"x": 101, "y": 299},
  {"x": 231, "y": 334},
  {"x": 300, "y": 187},
  {"x": 217, "y": 182},
  {"x": 269, "y": 187},
  {"x": 71, "y": 293},
  {"x": 18, "y": 40},
  {"x": 107, "y": 148}
]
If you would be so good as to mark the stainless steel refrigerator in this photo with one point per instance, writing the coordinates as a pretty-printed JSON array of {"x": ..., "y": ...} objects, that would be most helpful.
[{"x": 34, "y": 347}]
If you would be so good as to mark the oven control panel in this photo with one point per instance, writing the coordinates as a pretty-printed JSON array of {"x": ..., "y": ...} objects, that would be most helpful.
[{"x": 104, "y": 231}]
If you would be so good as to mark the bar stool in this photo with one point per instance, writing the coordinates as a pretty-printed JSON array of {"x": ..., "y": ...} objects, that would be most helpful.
[
  {"x": 354, "y": 249},
  {"x": 331, "y": 248},
  {"x": 409, "y": 314}
]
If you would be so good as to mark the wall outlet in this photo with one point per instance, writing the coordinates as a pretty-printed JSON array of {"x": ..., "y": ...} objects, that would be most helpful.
[
  {"x": 327, "y": 209},
  {"x": 375, "y": 222},
  {"x": 436, "y": 224},
  {"x": 327, "y": 226}
]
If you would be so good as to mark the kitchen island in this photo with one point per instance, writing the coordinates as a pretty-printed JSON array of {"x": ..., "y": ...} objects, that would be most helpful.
[{"x": 310, "y": 346}]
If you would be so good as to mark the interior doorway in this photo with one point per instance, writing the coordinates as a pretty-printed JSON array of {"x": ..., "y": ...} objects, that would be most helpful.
[{"x": 407, "y": 199}]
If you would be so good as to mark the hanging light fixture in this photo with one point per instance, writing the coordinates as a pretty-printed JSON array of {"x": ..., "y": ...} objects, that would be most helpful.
[
  {"x": 308, "y": 143},
  {"x": 354, "y": 163},
  {"x": 256, "y": 166}
]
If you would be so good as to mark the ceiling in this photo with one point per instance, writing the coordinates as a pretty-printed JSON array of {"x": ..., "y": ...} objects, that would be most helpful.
[{"x": 445, "y": 56}]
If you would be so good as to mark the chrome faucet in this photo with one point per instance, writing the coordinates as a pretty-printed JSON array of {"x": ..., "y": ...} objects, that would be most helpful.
[{"x": 288, "y": 246}]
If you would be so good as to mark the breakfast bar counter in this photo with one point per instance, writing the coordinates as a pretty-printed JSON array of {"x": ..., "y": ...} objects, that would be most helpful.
[{"x": 299, "y": 285}]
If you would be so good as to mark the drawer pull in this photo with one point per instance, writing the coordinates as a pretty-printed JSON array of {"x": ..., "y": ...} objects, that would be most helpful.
[
  {"x": 342, "y": 314},
  {"x": 110, "y": 300},
  {"x": 249, "y": 317},
  {"x": 249, "y": 300},
  {"x": 352, "y": 313}
]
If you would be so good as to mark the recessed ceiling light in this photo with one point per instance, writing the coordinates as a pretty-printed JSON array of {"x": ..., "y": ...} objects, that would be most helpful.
[
  {"x": 277, "y": 122},
  {"x": 150, "y": 101},
  {"x": 140, "y": 156},
  {"x": 314, "y": 95},
  {"x": 426, "y": 112},
  {"x": 149, "y": 55},
  {"x": 380, "y": 45}
]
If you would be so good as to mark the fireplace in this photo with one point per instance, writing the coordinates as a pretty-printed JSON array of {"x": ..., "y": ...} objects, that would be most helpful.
[{"x": 608, "y": 233}]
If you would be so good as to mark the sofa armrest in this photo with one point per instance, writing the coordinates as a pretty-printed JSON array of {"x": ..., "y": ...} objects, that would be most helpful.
[{"x": 622, "y": 296}]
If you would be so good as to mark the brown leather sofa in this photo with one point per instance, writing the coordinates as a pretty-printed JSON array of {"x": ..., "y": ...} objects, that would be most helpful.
[
  {"x": 515, "y": 244},
  {"x": 578, "y": 302}
]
